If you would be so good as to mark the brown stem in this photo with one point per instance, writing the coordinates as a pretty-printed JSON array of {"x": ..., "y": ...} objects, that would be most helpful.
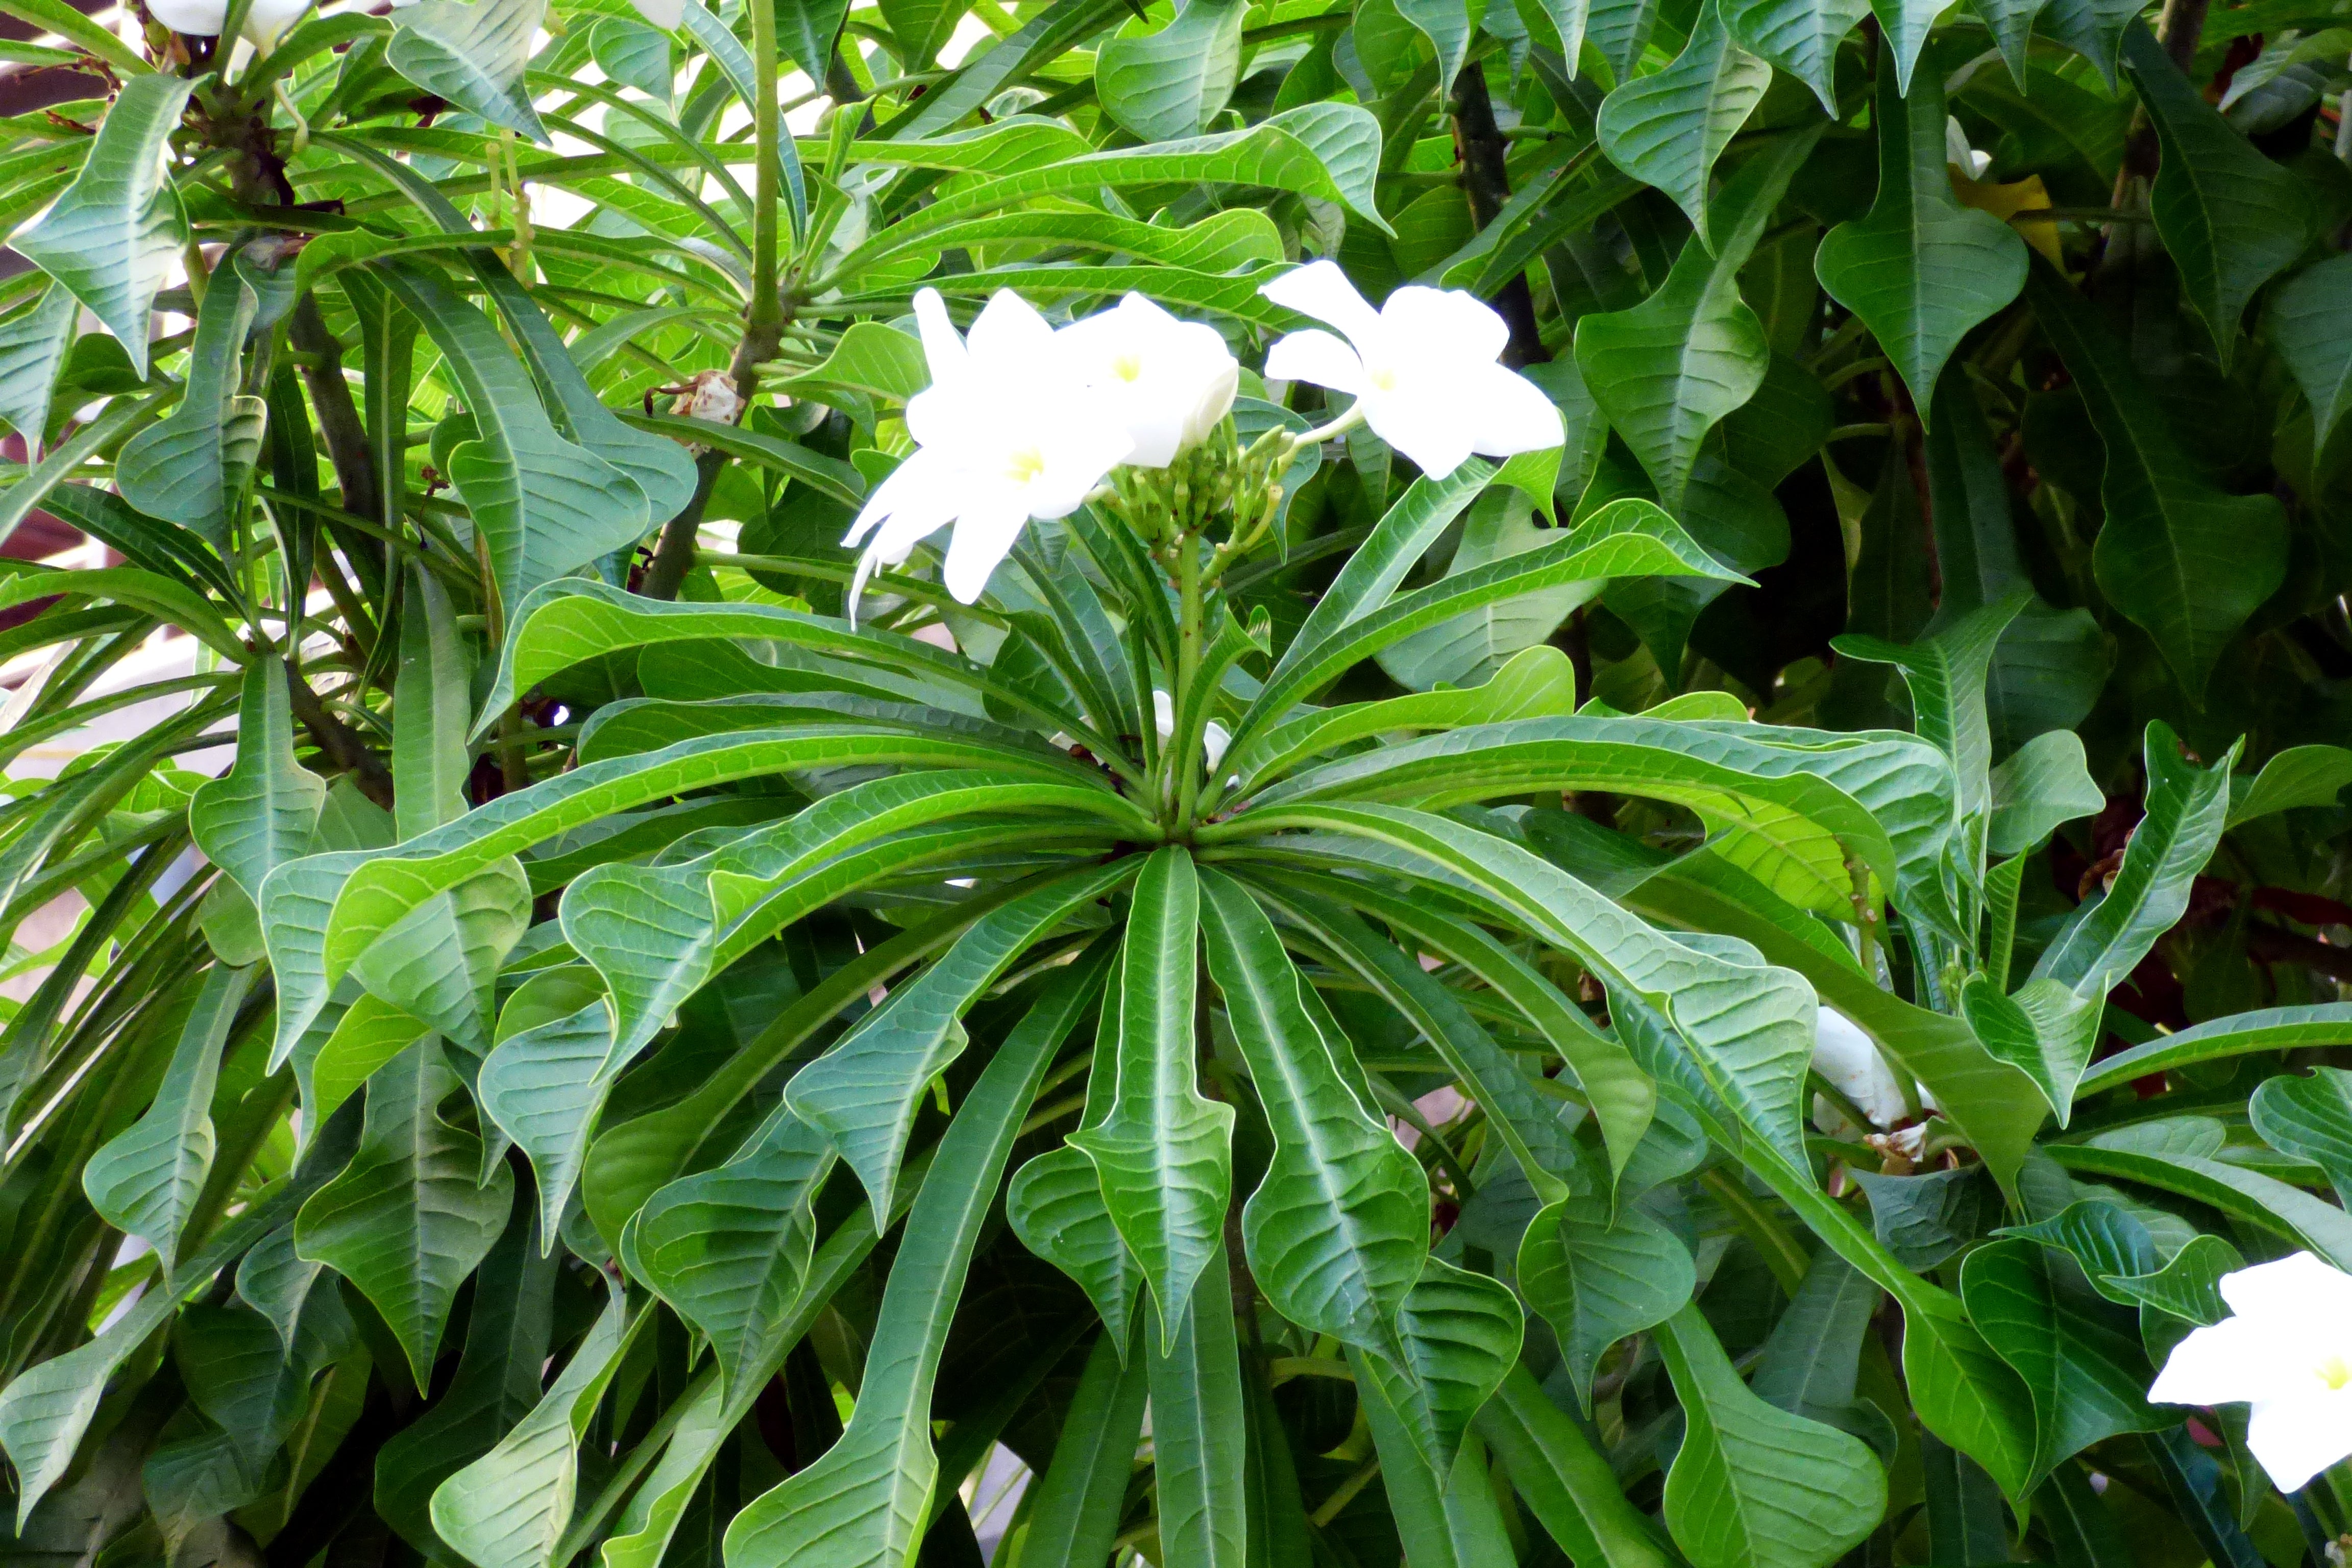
[
  {"x": 2273, "y": 945},
  {"x": 674, "y": 556},
  {"x": 340, "y": 742},
  {"x": 330, "y": 396},
  {"x": 1486, "y": 179}
]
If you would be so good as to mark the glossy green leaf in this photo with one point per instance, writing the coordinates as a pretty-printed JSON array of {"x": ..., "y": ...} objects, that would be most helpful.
[
  {"x": 1801, "y": 36},
  {"x": 114, "y": 234},
  {"x": 146, "y": 1179},
  {"x": 261, "y": 813},
  {"x": 1668, "y": 128},
  {"x": 2185, "y": 562},
  {"x": 1172, "y": 81},
  {"x": 2231, "y": 219},
  {"x": 2310, "y": 1118},
  {"x": 1565, "y": 1480},
  {"x": 33, "y": 344},
  {"x": 1921, "y": 270},
  {"x": 1668, "y": 370},
  {"x": 1337, "y": 1232},
  {"x": 191, "y": 467},
  {"x": 866, "y": 1501},
  {"x": 2264, "y": 1030},
  {"x": 473, "y": 53},
  {"x": 2310, "y": 320},
  {"x": 1200, "y": 1428},
  {"x": 407, "y": 1222},
  {"x": 1083, "y": 1489},
  {"x": 1752, "y": 1485},
  {"x": 1597, "y": 1277},
  {"x": 2086, "y": 1375}
]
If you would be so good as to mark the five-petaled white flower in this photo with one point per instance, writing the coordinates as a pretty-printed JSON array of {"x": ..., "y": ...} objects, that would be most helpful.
[
  {"x": 1001, "y": 438},
  {"x": 1166, "y": 382},
  {"x": 2287, "y": 1351},
  {"x": 264, "y": 24},
  {"x": 1421, "y": 368}
]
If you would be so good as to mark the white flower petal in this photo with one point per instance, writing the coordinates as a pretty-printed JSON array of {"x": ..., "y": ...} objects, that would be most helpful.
[
  {"x": 1010, "y": 337},
  {"x": 2235, "y": 1361},
  {"x": 1163, "y": 714},
  {"x": 268, "y": 20},
  {"x": 1214, "y": 739},
  {"x": 1510, "y": 413},
  {"x": 1321, "y": 291},
  {"x": 942, "y": 347},
  {"x": 1317, "y": 358},
  {"x": 2292, "y": 1289},
  {"x": 2296, "y": 1438},
  {"x": 1078, "y": 452},
  {"x": 1461, "y": 325},
  {"x": 985, "y": 532},
  {"x": 1851, "y": 1064},
  {"x": 1427, "y": 421},
  {"x": 197, "y": 18}
]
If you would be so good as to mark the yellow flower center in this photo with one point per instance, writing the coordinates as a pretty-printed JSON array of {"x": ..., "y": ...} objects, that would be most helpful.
[
  {"x": 1023, "y": 465},
  {"x": 1128, "y": 366},
  {"x": 2333, "y": 1371},
  {"x": 1383, "y": 377}
]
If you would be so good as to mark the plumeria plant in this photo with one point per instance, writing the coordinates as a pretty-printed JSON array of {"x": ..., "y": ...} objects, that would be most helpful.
[{"x": 1212, "y": 784}]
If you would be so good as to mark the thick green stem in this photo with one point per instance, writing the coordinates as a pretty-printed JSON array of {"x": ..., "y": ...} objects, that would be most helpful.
[{"x": 1183, "y": 755}]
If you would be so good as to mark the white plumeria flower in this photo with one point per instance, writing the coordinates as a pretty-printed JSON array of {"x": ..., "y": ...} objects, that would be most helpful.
[
  {"x": 1000, "y": 436},
  {"x": 1214, "y": 737},
  {"x": 1421, "y": 368},
  {"x": 1851, "y": 1064},
  {"x": 1166, "y": 382},
  {"x": 264, "y": 24},
  {"x": 2287, "y": 1352}
]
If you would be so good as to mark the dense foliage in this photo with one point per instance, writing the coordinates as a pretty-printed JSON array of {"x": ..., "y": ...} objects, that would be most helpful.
[{"x": 1721, "y": 991}]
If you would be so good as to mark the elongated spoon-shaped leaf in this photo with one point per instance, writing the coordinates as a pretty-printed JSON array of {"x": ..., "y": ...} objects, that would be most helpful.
[
  {"x": 261, "y": 813},
  {"x": 866, "y": 1503},
  {"x": 1667, "y": 130},
  {"x": 1921, "y": 269},
  {"x": 1165, "y": 1151},
  {"x": 115, "y": 234}
]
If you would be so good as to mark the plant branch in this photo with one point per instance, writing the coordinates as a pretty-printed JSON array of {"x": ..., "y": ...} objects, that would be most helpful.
[
  {"x": 1485, "y": 178},
  {"x": 340, "y": 744}
]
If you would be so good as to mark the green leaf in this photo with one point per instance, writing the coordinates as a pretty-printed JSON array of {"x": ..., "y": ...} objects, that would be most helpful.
[
  {"x": 261, "y": 813},
  {"x": 145, "y": 1181},
  {"x": 407, "y": 1223},
  {"x": 2266, "y": 1030},
  {"x": 1458, "y": 1335},
  {"x": 1801, "y": 36},
  {"x": 1752, "y": 1486},
  {"x": 1565, "y": 1480},
  {"x": 1921, "y": 270},
  {"x": 2299, "y": 776},
  {"x": 875, "y": 359},
  {"x": 33, "y": 344},
  {"x": 2310, "y": 1118},
  {"x": 498, "y": 1380},
  {"x": 1200, "y": 1427},
  {"x": 474, "y": 55},
  {"x": 635, "y": 55},
  {"x": 1668, "y": 128},
  {"x": 1337, "y": 1232},
  {"x": 430, "y": 703},
  {"x": 439, "y": 961},
  {"x": 2104, "y": 1239},
  {"x": 1172, "y": 83},
  {"x": 1807, "y": 1364},
  {"x": 2045, "y": 782},
  {"x": 1163, "y": 1151},
  {"x": 117, "y": 231},
  {"x": 1073, "y": 1516},
  {"x": 2093, "y": 29},
  {"x": 509, "y": 1508},
  {"x": 866, "y": 1501},
  {"x": 545, "y": 504},
  {"x": 2189, "y": 1288},
  {"x": 1056, "y": 1206},
  {"x": 1598, "y": 1276},
  {"x": 1470, "y": 648},
  {"x": 190, "y": 467},
  {"x": 863, "y": 1093},
  {"x": 2246, "y": 1196},
  {"x": 2310, "y": 324},
  {"x": 46, "y": 1410},
  {"x": 728, "y": 1249},
  {"x": 2183, "y": 561},
  {"x": 2045, "y": 1031},
  {"x": 1750, "y": 1026},
  {"x": 2230, "y": 219},
  {"x": 1625, "y": 539},
  {"x": 2105, "y": 939},
  {"x": 1666, "y": 371},
  {"x": 543, "y": 1087},
  {"x": 2086, "y": 1373}
]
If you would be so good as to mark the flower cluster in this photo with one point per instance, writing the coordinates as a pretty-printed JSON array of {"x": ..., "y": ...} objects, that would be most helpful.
[{"x": 1022, "y": 420}]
